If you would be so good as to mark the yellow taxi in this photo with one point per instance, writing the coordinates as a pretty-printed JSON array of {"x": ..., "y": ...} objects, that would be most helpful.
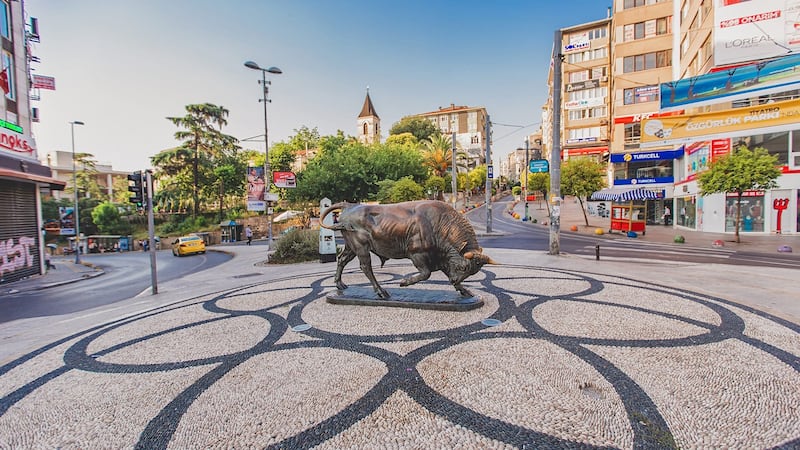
[{"x": 187, "y": 245}]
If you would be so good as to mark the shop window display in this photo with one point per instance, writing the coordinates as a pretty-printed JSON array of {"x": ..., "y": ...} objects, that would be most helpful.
[
  {"x": 685, "y": 214},
  {"x": 752, "y": 219}
]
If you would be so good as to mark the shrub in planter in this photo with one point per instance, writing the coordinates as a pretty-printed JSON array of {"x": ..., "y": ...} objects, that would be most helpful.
[{"x": 296, "y": 246}]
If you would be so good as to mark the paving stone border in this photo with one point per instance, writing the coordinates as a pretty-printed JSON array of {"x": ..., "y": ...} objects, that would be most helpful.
[{"x": 568, "y": 360}]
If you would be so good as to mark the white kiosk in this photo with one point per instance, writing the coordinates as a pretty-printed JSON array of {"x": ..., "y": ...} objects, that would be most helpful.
[{"x": 327, "y": 239}]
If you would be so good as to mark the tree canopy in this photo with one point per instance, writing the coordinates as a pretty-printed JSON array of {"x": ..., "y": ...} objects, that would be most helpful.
[
  {"x": 422, "y": 128},
  {"x": 581, "y": 177},
  {"x": 740, "y": 171}
]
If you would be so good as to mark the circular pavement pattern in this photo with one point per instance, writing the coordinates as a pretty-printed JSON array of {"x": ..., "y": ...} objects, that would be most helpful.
[{"x": 554, "y": 359}]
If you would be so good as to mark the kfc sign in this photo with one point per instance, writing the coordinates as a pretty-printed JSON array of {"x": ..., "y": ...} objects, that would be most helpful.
[{"x": 15, "y": 142}]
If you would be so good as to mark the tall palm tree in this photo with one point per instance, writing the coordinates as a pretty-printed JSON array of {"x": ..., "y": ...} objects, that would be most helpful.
[
  {"x": 437, "y": 155},
  {"x": 201, "y": 137}
]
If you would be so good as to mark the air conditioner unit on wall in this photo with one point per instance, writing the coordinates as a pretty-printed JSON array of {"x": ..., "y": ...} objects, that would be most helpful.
[{"x": 34, "y": 114}]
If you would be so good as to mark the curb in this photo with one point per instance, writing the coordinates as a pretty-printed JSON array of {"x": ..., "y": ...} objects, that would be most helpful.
[{"x": 85, "y": 276}]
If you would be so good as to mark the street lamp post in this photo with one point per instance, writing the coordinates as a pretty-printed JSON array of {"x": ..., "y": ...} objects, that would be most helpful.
[
  {"x": 75, "y": 214},
  {"x": 267, "y": 171}
]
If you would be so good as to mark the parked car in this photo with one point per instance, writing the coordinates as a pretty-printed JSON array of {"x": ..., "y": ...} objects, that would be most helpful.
[{"x": 187, "y": 245}]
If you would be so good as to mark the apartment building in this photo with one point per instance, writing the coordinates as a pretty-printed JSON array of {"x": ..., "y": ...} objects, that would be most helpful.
[
  {"x": 22, "y": 177},
  {"x": 585, "y": 66},
  {"x": 642, "y": 56},
  {"x": 469, "y": 125}
]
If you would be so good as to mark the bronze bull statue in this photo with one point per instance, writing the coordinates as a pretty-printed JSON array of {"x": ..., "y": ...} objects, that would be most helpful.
[{"x": 429, "y": 233}]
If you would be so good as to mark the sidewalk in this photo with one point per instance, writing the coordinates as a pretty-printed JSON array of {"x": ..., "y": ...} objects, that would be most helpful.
[
  {"x": 571, "y": 215},
  {"x": 65, "y": 272}
]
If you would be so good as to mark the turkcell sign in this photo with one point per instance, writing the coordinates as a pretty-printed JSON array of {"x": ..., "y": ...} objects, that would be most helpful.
[
  {"x": 539, "y": 166},
  {"x": 647, "y": 156}
]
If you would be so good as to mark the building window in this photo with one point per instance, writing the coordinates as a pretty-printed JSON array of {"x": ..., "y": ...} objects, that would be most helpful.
[
  {"x": 582, "y": 94},
  {"x": 8, "y": 67},
  {"x": 581, "y": 75},
  {"x": 584, "y": 133},
  {"x": 5, "y": 20},
  {"x": 599, "y": 72},
  {"x": 366, "y": 128},
  {"x": 636, "y": 3},
  {"x": 647, "y": 61},
  {"x": 632, "y": 133},
  {"x": 647, "y": 29},
  {"x": 597, "y": 33},
  {"x": 752, "y": 212}
]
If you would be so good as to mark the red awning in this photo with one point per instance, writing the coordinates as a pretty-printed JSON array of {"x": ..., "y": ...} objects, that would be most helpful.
[{"x": 586, "y": 151}]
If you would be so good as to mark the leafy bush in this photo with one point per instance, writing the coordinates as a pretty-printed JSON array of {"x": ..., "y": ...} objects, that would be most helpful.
[
  {"x": 181, "y": 227},
  {"x": 516, "y": 190},
  {"x": 297, "y": 246}
]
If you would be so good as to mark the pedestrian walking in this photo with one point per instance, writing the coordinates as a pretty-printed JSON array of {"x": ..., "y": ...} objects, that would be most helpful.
[
  {"x": 667, "y": 214},
  {"x": 248, "y": 233}
]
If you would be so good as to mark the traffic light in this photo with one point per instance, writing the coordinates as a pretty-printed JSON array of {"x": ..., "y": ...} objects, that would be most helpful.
[{"x": 136, "y": 188}]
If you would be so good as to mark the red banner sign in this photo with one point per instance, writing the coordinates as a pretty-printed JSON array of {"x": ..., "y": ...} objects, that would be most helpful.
[{"x": 43, "y": 82}]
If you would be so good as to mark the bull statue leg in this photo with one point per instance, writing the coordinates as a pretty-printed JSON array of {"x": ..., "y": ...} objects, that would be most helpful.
[
  {"x": 345, "y": 257},
  {"x": 464, "y": 291},
  {"x": 423, "y": 266},
  {"x": 365, "y": 262}
]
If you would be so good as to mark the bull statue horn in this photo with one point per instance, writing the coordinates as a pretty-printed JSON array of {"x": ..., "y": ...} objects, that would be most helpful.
[
  {"x": 489, "y": 260},
  {"x": 469, "y": 255}
]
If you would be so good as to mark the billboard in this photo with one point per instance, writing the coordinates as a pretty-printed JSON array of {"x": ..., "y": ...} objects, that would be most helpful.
[
  {"x": 746, "y": 30},
  {"x": 255, "y": 189},
  {"x": 284, "y": 179},
  {"x": 762, "y": 78},
  {"x": 767, "y": 118}
]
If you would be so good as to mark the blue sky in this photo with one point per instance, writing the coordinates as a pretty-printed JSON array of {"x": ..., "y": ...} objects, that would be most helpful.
[{"x": 122, "y": 67}]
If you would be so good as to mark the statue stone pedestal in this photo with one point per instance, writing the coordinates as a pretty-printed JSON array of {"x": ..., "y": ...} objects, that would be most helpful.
[{"x": 405, "y": 298}]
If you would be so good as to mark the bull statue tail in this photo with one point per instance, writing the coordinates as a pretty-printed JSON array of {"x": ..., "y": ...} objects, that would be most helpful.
[{"x": 335, "y": 207}]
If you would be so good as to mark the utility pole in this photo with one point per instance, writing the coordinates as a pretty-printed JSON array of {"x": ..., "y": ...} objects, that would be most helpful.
[
  {"x": 489, "y": 175},
  {"x": 453, "y": 181},
  {"x": 555, "y": 153},
  {"x": 527, "y": 169},
  {"x": 151, "y": 230}
]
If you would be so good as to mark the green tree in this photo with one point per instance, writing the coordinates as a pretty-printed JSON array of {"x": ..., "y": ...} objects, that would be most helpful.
[
  {"x": 305, "y": 138},
  {"x": 540, "y": 181},
  {"x": 422, "y": 129},
  {"x": 406, "y": 189},
  {"x": 281, "y": 157},
  {"x": 581, "y": 177},
  {"x": 436, "y": 185},
  {"x": 202, "y": 140},
  {"x": 403, "y": 139},
  {"x": 477, "y": 177},
  {"x": 108, "y": 220},
  {"x": 740, "y": 171}
]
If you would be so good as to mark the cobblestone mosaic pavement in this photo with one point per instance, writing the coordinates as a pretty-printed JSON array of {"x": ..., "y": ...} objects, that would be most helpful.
[{"x": 554, "y": 359}]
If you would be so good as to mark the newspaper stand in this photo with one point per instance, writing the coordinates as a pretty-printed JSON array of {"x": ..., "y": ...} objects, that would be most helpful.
[{"x": 627, "y": 217}]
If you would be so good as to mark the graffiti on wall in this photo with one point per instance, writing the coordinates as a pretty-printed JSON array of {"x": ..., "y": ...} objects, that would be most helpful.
[{"x": 16, "y": 256}]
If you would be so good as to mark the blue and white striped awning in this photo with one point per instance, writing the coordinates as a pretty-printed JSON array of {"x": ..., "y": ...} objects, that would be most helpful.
[{"x": 625, "y": 194}]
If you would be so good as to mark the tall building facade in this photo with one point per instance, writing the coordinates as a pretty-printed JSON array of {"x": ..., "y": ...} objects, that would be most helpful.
[
  {"x": 469, "y": 125},
  {"x": 369, "y": 124},
  {"x": 688, "y": 82},
  {"x": 642, "y": 57},
  {"x": 22, "y": 177}
]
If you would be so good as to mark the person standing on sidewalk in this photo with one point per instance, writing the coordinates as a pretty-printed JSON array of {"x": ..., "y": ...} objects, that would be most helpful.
[
  {"x": 248, "y": 233},
  {"x": 667, "y": 214}
]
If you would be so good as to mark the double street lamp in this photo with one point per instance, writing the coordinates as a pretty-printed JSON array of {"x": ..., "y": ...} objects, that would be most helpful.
[
  {"x": 265, "y": 100},
  {"x": 75, "y": 214}
]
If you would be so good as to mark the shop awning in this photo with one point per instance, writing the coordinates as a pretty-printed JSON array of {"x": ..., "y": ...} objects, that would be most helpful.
[{"x": 625, "y": 194}]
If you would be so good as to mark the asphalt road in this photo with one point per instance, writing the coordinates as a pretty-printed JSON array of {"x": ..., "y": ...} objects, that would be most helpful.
[
  {"x": 126, "y": 276},
  {"x": 519, "y": 235}
]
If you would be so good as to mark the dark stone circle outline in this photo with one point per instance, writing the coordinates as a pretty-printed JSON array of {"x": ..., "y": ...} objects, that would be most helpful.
[{"x": 653, "y": 431}]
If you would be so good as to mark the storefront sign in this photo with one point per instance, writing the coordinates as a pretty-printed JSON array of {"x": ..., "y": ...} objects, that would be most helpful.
[
  {"x": 647, "y": 156},
  {"x": 580, "y": 85},
  {"x": 585, "y": 103},
  {"x": 639, "y": 117},
  {"x": 577, "y": 42},
  {"x": 284, "y": 179},
  {"x": 685, "y": 127},
  {"x": 15, "y": 142},
  {"x": 585, "y": 151},
  {"x": 636, "y": 181}
]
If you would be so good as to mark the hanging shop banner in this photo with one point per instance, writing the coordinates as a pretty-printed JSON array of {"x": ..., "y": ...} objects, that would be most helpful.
[
  {"x": 750, "y": 30},
  {"x": 255, "y": 189},
  {"x": 44, "y": 82},
  {"x": 636, "y": 118},
  {"x": 733, "y": 84},
  {"x": 581, "y": 85},
  {"x": 771, "y": 117},
  {"x": 284, "y": 179},
  {"x": 585, "y": 103}
]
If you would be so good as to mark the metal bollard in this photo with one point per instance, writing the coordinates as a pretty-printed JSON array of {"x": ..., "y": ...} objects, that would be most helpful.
[{"x": 597, "y": 252}]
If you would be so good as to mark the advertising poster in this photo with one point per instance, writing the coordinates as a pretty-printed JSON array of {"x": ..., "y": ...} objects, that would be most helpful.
[
  {"x": 256, "y": 185},
  {"x": 755, "y": 29},
  {"x": 284, "y": 179},
  {"x": 67, "y": 220}
]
